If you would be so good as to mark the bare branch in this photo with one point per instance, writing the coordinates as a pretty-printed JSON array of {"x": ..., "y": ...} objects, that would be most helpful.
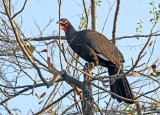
[
  {"x": 21, "y": 91},
  {"x": 115, "y": 22},
  {"x": 63, "y": 38},
  {"x": 113, "y": 93},
  {"x": 56, "y": 101},
  {"x": 136, "y": 36},
  {"x": 22, "y": 44},
  {"x": 20, "y": 10},
  {"x": 85, "y": 10},
  {"x": 93, "y": 15},
  {"x": 2, "y": 13}
]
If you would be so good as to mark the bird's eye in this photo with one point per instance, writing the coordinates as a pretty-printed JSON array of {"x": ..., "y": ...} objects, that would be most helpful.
[{"x": 65, "y": 21}]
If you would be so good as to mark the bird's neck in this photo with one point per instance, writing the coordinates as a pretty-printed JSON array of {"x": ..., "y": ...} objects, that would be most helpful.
[{"x": 70, "y": 33}]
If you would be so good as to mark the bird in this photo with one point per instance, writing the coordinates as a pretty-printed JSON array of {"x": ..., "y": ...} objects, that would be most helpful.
[{"x": 95, "y": 48}]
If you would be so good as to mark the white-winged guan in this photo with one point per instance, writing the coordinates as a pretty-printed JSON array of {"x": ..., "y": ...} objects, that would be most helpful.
[{"x": 94, "y": 47}]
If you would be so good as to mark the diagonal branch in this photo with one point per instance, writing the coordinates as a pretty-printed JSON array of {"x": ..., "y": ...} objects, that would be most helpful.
[
  {"x": 20, "y": 10},
  {"x": 50, "y": 105},
  {"x": 70, "y": 80},
  {"x": 22, "y": 44},
  {"x": 85, "y": 10}
]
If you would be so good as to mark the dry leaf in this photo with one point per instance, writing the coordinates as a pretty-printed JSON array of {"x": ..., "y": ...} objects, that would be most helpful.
[
  {"x": 44, "y": 50},
  {"x": 31, "y": 48},
  {"x": 43, "y": 95},
  {"x": 37, "y": 95}
]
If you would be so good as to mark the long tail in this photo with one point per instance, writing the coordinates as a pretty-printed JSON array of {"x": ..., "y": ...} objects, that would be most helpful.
[{"x": 120, "y": 87}]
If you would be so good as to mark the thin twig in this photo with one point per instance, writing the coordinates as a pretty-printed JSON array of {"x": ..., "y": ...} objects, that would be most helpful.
[
  {"x": 98, "y": 108},
  {"x": 113, "y": 93},
  {"x": 22, "y": 44},
  {"x": 85, "y": 10},
  {"x": 50, "y": 105},
  {"x": 20, "y": 10}
]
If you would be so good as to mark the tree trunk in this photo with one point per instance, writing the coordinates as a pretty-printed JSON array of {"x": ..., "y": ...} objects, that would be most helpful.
[
  {"x": 88, "y": 101},
  {"x": 93, "y": 15}
]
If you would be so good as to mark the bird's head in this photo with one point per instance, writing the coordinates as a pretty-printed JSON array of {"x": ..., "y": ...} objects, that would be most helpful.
[{"x": 64, "y": 23}]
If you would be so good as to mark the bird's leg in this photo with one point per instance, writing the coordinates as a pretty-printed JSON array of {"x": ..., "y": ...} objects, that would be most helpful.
[{"x": 90, "y": 65}]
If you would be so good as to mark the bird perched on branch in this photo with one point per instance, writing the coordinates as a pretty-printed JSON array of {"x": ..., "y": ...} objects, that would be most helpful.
[{"x": 94, "y": 47}]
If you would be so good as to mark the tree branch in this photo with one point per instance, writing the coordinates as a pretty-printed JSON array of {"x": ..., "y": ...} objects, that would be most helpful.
[
  {"x": 136, "y": 36},
  {"x": 93, "y": 15},
  {"x": 20, "y": 10},
  {"x": 22, "y": 44},
  {"x": 85, "y": 10},
  {"x": 50, "y": 105},
  {"x": 115, "y": 22}
]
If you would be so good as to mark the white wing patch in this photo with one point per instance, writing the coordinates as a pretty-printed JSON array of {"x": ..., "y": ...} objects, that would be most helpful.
[{"x": 102, "y": 56}]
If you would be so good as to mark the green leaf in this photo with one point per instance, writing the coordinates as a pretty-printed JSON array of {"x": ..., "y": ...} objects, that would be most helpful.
[
  {"x": 150, "y": 44},
  {"x": 31, "y": 48},
  {"x": 153, "y": 74},
  {"x": 151, "y": 3},
  {"x": 151, "y": 20},
  {"x": 152, "y": 12}
]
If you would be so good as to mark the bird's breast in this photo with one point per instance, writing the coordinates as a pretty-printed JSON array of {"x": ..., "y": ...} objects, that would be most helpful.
[{"x": 75, "y": 46}]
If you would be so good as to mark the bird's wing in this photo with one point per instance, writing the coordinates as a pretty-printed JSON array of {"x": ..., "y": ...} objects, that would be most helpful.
[{"x": 103, "y": 47}]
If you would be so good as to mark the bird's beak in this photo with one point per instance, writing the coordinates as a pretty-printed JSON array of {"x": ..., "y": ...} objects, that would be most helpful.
[
  {"x": 60, "y": 22},
  {"x": 57, "y": 22}
]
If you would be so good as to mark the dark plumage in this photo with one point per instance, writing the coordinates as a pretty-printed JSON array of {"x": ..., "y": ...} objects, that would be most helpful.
[{"x": 95, "y": 47}]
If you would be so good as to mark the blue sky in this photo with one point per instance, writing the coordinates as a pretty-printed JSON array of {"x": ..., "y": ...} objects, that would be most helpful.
[{"x": 131, "y": 12}]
